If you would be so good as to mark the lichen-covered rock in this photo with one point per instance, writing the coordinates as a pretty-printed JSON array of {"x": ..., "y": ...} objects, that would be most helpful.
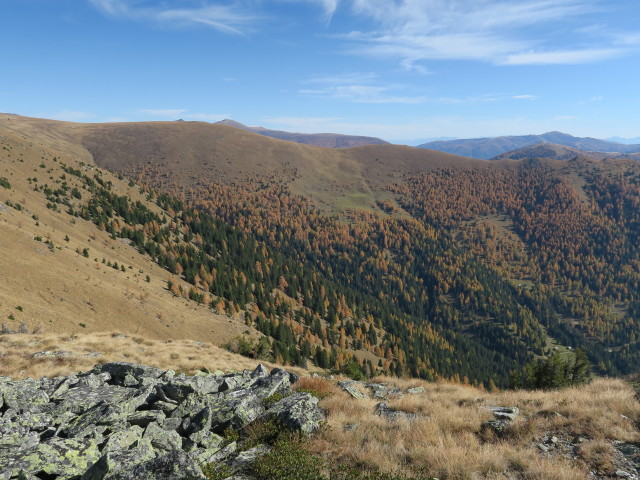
[
  {"x": 235, "y": 410},
  {"x": 383, "y": 410},
  {"x": 415, "y": 390},
  {"x": 123, "y": 439},
  {"x": 299, "y": 411},
  {"x": 266, "y": 386},
  {"x": 175, "y": 465},
  {"x": 293, "y": 378},
  {"x": 381, "y": 390},
  {"x": 16, "y": 437},
  {"x": 85, "y": 424},
  {"x": 235, "y": 381},
  {"x": 207, "y": 440},
  {"x": 246, "y": 458},
  {"x": 504, "y": 413},
  {"x": 162, "y": 439},
  {"x": 81, "y": 399},
  {"x": 497, "y": 427},
  {"x": 125, "y": 421},
  {"x": 350, "y": 388},
  {"x": 180, "y": 387},
  {"x": 37, "y": 421},
  {"x": 146, "y": 417},
  {"x": 213, "y": 455},
  {"x": 120, "y": 370},
  {"x": 260, "y": 372},
  {"x": 110, "y": 465},
  {"x": 57, "y": 456},
  {"x": 24, "y": 396}
]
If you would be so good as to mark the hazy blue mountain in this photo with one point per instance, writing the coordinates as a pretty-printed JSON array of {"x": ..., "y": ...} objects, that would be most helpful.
[{"x": 487, "y": 148}]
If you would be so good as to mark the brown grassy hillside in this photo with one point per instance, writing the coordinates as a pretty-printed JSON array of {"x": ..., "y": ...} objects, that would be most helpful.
[
  {"x": 49, "y": 283},
  {"x": 189, "y": 154}
]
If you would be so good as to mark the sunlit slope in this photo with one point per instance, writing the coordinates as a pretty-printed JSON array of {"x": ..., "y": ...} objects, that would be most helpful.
[{"x": 52, "y": 275}]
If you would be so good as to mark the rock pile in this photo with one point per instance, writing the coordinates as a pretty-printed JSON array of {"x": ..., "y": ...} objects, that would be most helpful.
[{"x": 127, "y": 421}]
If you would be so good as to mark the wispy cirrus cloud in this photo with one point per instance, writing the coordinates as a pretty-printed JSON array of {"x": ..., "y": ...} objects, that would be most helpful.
[
  {"x": 503, "y": 32},
  {"x": 234, "y": 18},
  {"x": 361, "y": 87},
  {"x": 357, "y": 88},
  {"x": 562, "y": 57}
]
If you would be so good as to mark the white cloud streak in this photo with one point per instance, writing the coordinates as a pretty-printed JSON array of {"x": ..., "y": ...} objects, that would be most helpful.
[
  {"x": 232, "y": 19},
  {"x": 562, "y": 57},
  {"x": 503, "y": 32},
  {"x": 357, "y": 88}
]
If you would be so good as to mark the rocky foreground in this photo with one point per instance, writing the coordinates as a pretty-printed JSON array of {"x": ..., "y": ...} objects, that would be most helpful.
[{"x": 127, "y": 421}]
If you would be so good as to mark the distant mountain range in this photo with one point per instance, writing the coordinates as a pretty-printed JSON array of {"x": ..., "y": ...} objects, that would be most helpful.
[
  {"x": 487, "y": 148},
  {"x": 327, "y": 140},
  {"x": 553, "y": 151}
]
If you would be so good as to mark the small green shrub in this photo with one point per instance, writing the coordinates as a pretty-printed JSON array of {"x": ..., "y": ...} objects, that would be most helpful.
[
  {"x": 554, "y": 372},
  {"x": 248, "y": 347},
  {"x": 216, "y": 471},
  {"x": 264, "y": 431},
  {"x": 231, "y": 435},
  {"x": 289, "y": 460},
  {"x": 4, "y": 182},
  {"x": 271, "y": 400}
]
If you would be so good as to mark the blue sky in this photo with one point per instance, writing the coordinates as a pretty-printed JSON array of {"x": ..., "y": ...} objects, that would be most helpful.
[{"x": 402, "y": 70}]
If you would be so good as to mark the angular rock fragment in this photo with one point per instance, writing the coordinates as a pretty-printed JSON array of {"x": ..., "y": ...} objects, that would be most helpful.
[
  {"x": 504, "y": 413},
  {"x": 383, "y": 410},
  {"x": 299, "y": 411},
  {"x": 351, "y": 389},
  {"x": 115, "y": 462},
  {"x": 162, "y": 439},
  {"x": 122, "y": 439},
  {"x": 120, "y": 370}
]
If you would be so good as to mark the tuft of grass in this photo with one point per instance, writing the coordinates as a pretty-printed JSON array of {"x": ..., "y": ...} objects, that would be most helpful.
[
  {"x": 216, "y": 471},
  {"x": 288, "y": 460},
  {"x": 317, "y": 386},
  {"x": 271, "y": 400}
]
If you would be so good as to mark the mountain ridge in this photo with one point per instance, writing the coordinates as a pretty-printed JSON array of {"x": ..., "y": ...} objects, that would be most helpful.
[
  {"x": 490, "y": 147},
  {"x": 327, "y": 140}
]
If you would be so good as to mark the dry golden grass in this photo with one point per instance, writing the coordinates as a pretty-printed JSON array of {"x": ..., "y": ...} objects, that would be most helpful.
[
  {"x": 446, "y": 440},
  {"x": 320, "y": 387},
  {"x": 58, "y": 290},
  {"x": 17, "y": 361}
]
